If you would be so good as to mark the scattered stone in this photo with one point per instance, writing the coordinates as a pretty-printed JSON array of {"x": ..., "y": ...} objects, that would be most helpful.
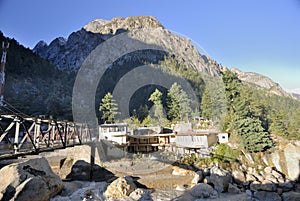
[
  {"x": 30, "y": 180},
  {"x": 250, "y": 177},
  {"x": 206, "y": 172},
  {"x": 139, "y": 194},
  {"x": 198, "y": 177},
  {"x": 233, "y": 189},
  {"x": 263, "y": 186},
  {"x": 287, "y": 186},
  {"x": 238, "y": 176},
  {"x": 266, "y": 196},
  {"x": 270, "y": 177},
  {"x": 182, "y": 172},
  {"x": 278, "y": 176},
  {"x": 121, "y": 187},
  {"x": 181, "y": 188},
  {"x": 203, "y": 191},
  {"x": 220, "y": 178},
  {"x": 290, "y": 196},
  {"x": 258, "y": 176},
  {"x": 268, "y": 170},
  {"x": 248, "y": 192}
]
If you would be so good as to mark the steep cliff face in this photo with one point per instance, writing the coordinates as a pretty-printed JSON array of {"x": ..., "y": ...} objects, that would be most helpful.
[{"x": 69, "y": 54}]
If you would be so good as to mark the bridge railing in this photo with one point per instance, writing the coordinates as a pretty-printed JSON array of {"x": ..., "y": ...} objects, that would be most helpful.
[{"x": 22, "y": 134}]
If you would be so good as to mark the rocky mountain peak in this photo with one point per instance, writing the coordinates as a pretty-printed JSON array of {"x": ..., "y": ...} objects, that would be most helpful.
[{"x": 130, "y": 23}]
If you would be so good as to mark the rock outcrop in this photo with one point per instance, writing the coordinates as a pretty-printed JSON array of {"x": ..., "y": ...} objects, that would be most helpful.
[
  {"x": 30, "y": 180},
  {"x": 120, "y": 188},
  {"x": 286, "y": 159}
]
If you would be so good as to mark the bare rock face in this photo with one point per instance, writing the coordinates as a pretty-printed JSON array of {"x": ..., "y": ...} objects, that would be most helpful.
[
  {"x": 129, "y": 23},
  {"x": 120, "y": 188},
  {"x": 30, "y": 180},
  {"x": 70, "y": 53},
  {"x": 261, "y": 81},
  {"x": 286, "y": 160}
]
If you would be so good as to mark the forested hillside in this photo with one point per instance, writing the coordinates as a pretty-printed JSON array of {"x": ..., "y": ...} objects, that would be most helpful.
[{"x": 34, "y": 86}]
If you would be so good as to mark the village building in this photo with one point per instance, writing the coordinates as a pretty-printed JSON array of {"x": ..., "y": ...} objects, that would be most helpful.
[
  {"x": 183, "y": 139},
  {"x": 114, "y": 133}
]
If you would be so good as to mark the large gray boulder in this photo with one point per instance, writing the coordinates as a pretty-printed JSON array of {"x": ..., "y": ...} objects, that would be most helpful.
[
  {"x": 238, "y": 176},
  {"x": 203, "y": 191},
  {"x": 220, "y": 178},
  {"x": 290, "y": 196},
  {"x": 265, "y": 185},
  {"x": 29, "y": 180},
  {"x": 266, "y": 196}
]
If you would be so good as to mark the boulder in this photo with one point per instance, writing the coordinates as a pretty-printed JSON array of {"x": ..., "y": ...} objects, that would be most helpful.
[
  {"x": 233, "y": 189},
  {"x": 270, "y": 177},
  {"x": 268, "y": 170},
  {"x": 287, "y": 186},
  {"x": 203, "y": 191},
  {"x": 258, "y": 176},
  {"x": 292, "y": 158},
  {"x": 290, "y": 196},
  {"x": 266, "y": 196},
  {"x": 178, "y": 171},
  {"x": 238, "y": 176},
  {"x": 250, "y": 177},
  {"x": 120, "y": 188},
  {"x": 267, "y": 185},
  {"x": 263, "y": 186},
  {"x": 139, "y": 194},
  {"x": 29, "y": 180},
  {"x": 81, "y": 170},
  {"x": 220, "y": 178},
  {"x": 278, "y": 176},
  {"x": 198, "y": 177}
]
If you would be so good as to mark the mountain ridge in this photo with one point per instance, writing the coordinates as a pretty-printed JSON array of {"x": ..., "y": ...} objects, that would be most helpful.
[{"x": 71, "y": 52}]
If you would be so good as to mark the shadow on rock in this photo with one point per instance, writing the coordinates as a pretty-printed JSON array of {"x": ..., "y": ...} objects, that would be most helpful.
[{"x": 82, "y": 170}]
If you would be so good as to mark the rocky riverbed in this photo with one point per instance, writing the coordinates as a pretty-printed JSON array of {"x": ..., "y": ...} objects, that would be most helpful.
[{"x": 138, "y": 178}]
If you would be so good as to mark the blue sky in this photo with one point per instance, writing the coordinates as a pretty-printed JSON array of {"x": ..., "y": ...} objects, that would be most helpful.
[{"x": 260, "y": 36}]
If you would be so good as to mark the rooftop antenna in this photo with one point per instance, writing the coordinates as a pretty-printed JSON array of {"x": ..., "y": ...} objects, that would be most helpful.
[{"x": 5, "y": 46}]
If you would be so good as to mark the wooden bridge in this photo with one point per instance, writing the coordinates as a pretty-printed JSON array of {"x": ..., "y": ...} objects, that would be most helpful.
[{"x": 23, "y": 135}]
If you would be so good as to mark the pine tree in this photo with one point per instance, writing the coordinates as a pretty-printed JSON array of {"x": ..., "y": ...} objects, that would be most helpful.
[
  {"x": 178, "y": 103},
  {"x": 109, "y": 108},
  {"x": 155, "y": 97},
  {"x": 254, "y": 138},
  {"x": 206, "y": 105}
]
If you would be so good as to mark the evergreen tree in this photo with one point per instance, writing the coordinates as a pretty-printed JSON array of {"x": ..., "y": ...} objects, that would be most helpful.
[
  {"x": 155, "y": 97},
  {"x": 178, "y": 103},
  {"x": 253, "y": 136},
  {"x": 206, "y": 105},
  {"x": 278, "y": 123},
  {"x": 109, "y": 108},
  {"x": 246, "y": 115}
]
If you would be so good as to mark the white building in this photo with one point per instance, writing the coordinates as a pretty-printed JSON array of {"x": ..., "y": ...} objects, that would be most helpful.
[{"x": 115, "y": 133}]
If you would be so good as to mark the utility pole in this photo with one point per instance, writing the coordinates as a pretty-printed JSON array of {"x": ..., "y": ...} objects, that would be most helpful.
[{"x": 5, "y": 46}]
